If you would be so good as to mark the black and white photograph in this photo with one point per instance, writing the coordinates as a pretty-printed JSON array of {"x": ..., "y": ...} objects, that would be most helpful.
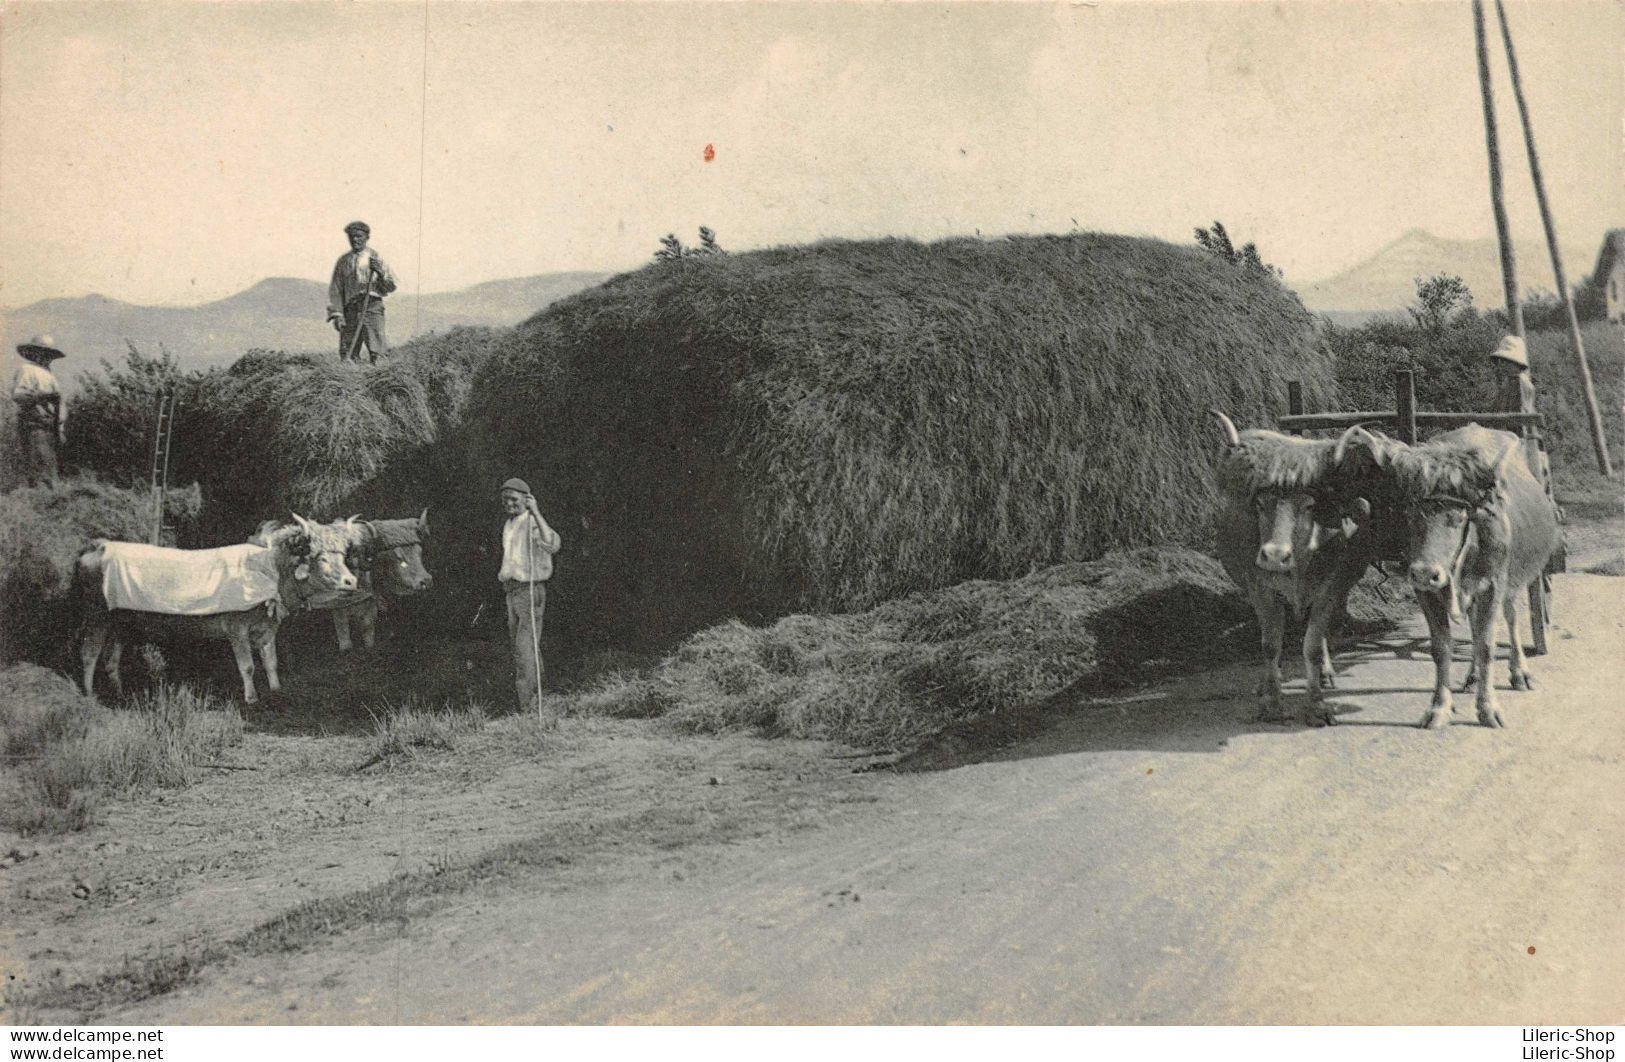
[{"x": 1098, "y": 514}]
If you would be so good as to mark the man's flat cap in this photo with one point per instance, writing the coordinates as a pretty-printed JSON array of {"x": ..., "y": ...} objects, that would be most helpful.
[
  {"x": 358, "y": 226},
  {"x": 517, "y": 484}
]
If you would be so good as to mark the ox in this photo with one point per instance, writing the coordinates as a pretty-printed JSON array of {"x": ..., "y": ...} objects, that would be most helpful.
[
  {"x": 1479, "y": 529},
  {"x": 1282, "y": 550},
  {"x": 387, "y": 558},
  {"x": 267, "y": 581}
]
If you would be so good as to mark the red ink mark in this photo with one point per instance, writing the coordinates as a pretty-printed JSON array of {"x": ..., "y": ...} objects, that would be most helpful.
[
  {"x": 1531, "y": 949},
  {"x": 710, "y": 152}
]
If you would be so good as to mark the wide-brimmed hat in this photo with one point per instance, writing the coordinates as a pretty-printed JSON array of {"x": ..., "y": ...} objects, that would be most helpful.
[
  {"x": 517, "y": 484},
  {"x": 1511, "y": 349},
  {"x": 40, "y": 348},
  {"x": 358, "y": 226}
]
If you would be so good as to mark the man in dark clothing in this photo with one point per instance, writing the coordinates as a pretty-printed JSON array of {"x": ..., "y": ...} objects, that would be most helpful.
[
  {"x": 355, "y": 296},
  {"x": 41, "y": 412}
]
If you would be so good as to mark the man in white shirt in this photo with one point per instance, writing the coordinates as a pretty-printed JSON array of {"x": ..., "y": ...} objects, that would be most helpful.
[
  {"x": 355, "y": 296},
  {"x": 528, "y": 545},
  {"x": 41, "y": 411}
]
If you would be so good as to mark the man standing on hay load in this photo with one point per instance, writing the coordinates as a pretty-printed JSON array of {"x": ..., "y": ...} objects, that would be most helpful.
[
  {"x": 41, "y": 412},
  {"x": 355, "y": 297},
  {"x": 528, "y": 545}
]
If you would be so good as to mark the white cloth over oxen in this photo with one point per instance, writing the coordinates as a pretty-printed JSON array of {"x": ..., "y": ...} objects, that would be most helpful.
[{"x": 188, "y": 582}]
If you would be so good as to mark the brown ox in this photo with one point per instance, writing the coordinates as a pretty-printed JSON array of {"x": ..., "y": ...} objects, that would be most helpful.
[
  {"x": 307, "y": 558},
  {"x": 1282, "y": 550},
  {"x": 1479, "y": 529}
]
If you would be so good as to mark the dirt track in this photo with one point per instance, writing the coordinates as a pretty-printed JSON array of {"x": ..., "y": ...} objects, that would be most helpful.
[{"x": 1156, "y": 860}]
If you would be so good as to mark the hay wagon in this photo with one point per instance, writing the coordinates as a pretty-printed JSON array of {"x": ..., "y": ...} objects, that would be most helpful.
[{"x": 1404, "y": 422}]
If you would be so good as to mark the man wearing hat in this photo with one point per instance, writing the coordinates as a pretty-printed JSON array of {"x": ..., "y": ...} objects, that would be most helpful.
[
  {"x": 355, "y": 296},
  {"x": 1514, "y": 390},
  {"x": 41, "y": 412},
  {"x": 528, "y": 545}
]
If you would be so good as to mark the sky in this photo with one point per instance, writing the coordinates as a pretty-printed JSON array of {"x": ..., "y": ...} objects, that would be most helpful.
[{"x": 178, "y": 153}]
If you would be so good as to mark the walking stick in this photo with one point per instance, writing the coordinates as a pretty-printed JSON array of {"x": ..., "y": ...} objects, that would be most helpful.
[
  {"x": 366, "y": 304},
  {"x": 535, "y": 635}
]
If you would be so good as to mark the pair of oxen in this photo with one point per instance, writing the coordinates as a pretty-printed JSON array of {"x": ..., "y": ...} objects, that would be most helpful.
[
  {"x": 1303, "y": 519},
  {"x": 345, "y": 567}
]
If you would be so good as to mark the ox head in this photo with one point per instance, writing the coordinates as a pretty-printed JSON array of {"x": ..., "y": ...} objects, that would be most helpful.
[
  {"x": 1275, "y": 474},
  {"x": 402, "y": 565},
  {"x": 392, "y": 550},
  {"x": 1449, "y": 494},
  {"x": 325, "y": 546}
]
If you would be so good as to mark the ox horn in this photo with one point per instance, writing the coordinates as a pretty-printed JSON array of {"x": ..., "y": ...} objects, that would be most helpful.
[
  {"x": 1231, "y": 436},
  {"x": 423, "y": 523},
  {"x": 1365, "y": 438},
  {"x": 304, "y": 525}
]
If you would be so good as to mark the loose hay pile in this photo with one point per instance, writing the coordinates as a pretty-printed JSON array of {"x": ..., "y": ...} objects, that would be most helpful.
[
  {"x": 42, "y": 530},
  {"x": 891, "y": 676},
  {"x": 825, "y": 427}
]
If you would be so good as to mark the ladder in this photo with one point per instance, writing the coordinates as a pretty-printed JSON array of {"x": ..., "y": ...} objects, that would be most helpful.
[{"x": 163, "y": 433}]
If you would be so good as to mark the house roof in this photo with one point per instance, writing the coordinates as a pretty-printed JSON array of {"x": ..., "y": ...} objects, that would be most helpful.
[{"x": 1613, "y": 249}]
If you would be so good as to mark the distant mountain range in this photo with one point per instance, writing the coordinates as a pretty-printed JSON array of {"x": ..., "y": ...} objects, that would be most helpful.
[
  {"x": 1386, "y": 282},
  {"x": 282, "y": 313}
]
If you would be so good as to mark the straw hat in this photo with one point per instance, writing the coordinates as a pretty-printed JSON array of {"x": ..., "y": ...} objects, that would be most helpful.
[
  {"x": 41, "y": 349},
  {"x": 1511, "y": 349}
]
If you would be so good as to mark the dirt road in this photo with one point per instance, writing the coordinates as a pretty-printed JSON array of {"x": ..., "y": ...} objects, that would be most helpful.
[{"x": 1157, "y": 860}]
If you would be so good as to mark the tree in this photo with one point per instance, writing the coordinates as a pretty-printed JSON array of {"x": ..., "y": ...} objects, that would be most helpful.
[
  {"x": 708, "y": 242},
  {"x": 1439, "y": 299}
]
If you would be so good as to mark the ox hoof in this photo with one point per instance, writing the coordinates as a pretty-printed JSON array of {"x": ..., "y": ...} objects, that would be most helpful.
[
  {"x": 1438, "y": 718},
  {"x": 1491, "y": 718},
  {"x": 1318, "y": 717},
  {"x": 1328, "y": 681},
  {"x": 1523, "y": 680}
]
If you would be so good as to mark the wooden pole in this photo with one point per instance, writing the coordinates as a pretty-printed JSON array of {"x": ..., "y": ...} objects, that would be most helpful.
[
  {"x": 1509, "y": 264},
  {"x": 1405, "y": 406},
  {"x": 1294, "y": 402},
  {"x": 1599, "y": 441}
]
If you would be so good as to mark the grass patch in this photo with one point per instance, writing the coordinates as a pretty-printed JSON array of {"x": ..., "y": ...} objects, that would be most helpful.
[
  {"x": 891, "y": 676},
  {"x": 401, "y": 731},
  {"x": 67, "y": 754}
]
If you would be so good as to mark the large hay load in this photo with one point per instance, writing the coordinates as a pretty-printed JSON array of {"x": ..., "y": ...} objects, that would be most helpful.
[{"x": 826, "y": 427}]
